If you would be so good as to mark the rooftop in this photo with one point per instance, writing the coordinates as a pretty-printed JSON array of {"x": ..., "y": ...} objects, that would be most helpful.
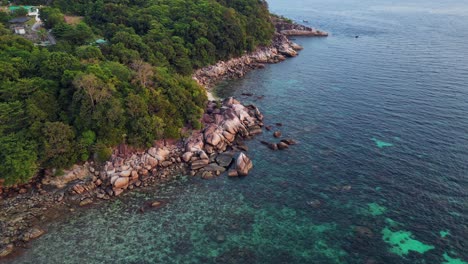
[{"x": 19, "y": 20}]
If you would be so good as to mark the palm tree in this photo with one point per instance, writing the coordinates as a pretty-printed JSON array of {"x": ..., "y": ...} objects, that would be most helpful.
[{"x": 42, "y": 34}]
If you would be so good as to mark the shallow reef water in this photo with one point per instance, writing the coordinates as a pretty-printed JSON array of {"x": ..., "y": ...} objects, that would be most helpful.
[{"x": 379, "y": 174}]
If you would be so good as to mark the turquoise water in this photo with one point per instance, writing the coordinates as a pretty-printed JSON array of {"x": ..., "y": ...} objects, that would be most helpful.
[{"x": 380, "y": 174}]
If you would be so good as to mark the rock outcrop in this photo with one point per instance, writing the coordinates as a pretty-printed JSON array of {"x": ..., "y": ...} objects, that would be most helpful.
[
  {"x": 278, "y": 51},
  {"x": 288, "y": 28},
  {"x": 211, "y": 151}
]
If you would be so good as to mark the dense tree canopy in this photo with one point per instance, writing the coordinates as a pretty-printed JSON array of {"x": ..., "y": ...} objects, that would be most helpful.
[{"x": 59, "y": 105}]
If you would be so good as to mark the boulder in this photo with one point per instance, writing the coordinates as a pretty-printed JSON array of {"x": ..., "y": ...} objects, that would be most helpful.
[
  {"x": 228, "y": 136},
  {"x": 273, "y": 146},
  {"x": 243, "y": 164},
  {"x": 212, "y": 138},
  {"x": 134, "y": 175},
  {"x": 282, "y": 145},
  {"x": 33, "y": 233},
  {"x": 117, "y": 191},
  {"x": 152, "y": 152},
  {"x": 156, "y": 204},
  {"x": 207, "y": 175},
  {"x": 86, "y": 201},
  {"x": 166, "y": 163},
  {"x": 232, "y": 173},
  {"x": 187, "y": 156},
  {"x": 277, "y": 134},
  {"x": 153, "y": 162},
  {"x": 114, "y": 178},
  {"x": 76, "y": 173},
  {"x": 125, "y": 173},
  {"x": 255, "y": 130},
  {"x": 214, "y": 167},
  {"x": 78, "y": 188},
  {"x": 289, "y": 141},
  {"x": 162, "y": 154},
  {"x": 6, "y": 250},
  {"x": 202, "y": 155},
  {"x": 121, "y": 182},
  {"x": 224, "y": 159},
  {"x": 98, "y": 182},
  {"x": 198, "y": 164}
]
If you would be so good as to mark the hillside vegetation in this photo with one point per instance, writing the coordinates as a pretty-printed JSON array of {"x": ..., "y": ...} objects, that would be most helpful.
[{"x": 75, "y": 100}]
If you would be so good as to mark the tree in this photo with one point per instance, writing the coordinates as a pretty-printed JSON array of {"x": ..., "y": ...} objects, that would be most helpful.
[
  {"x": 18, "y": 159},
  {"x": 144, "y": 71},
  {"x": 20, "y": 12},
  {"x": 93, "y": 87},
  {"x": 57, "y": 148},
  {"x": 89, "y": 53},
  {"x": 51, "y": 16},
  {"x": 42, "y": 34}
]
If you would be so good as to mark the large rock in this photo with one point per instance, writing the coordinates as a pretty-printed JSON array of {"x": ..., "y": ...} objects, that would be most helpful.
[
  {"x": 6, "y": 250},
  {"x": 134, "y": 175},
  {"x": 232, "y": 173},
  {"x": 160, "y": 154},
  {"x": 125, "y": 173},
  {"x": 187, "y": 156},
  {"x": 153, "y": 162},
  {"x": 224, "y": 159},
  {"x": 198, "y": 164},
  {"x": 76, "y": 173},
  {"x": 282, "y": 145},
  {"x": 121, "y": 182},
  {"x": 202, "y": 155},
  {"x": 212, "y": 137},
  {"x": 33, "y": 233},
  {"x": 214, "y": 167},
  {"x": 243, "y": 164},
  {"x": 78, "y": 188},
  {"x": 86, "y": 201},
  {"x": 228, "y": 136}
]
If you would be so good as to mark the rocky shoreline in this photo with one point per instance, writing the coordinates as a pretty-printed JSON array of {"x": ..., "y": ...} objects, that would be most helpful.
[
  {"x": 217, "y": 149},
  {"x": 280, "y": 49},
  {"x": 290, "y": 29}
]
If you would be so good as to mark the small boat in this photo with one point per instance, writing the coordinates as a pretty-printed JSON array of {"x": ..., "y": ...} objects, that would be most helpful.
[{"x": 305, "y": 21}]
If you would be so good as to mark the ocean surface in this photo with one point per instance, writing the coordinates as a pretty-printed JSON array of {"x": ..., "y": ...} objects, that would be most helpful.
[{"x": 380, "y": 174}]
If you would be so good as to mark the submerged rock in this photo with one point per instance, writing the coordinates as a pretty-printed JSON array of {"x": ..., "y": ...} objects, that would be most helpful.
[
  {"x": 86, "y": 201},
  {"x": 282, "y": 145},
  {"x": 6, "y": 250},
  {"x": 156, "y": 204},
  {"x": 364, "y": 232},
  {"x": 273, "y": 146},
  {"x": 33, "y": 233},
  {"x": 289, "y": 141},
  {"x": 277, "y": 134}
]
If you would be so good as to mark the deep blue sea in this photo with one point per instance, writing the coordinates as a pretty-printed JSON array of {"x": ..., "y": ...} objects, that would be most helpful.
[{"x": 380, "y": 174}]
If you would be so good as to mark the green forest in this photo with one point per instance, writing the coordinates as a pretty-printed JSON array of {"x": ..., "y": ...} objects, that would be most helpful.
[{"x": 73, "y": 101}]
